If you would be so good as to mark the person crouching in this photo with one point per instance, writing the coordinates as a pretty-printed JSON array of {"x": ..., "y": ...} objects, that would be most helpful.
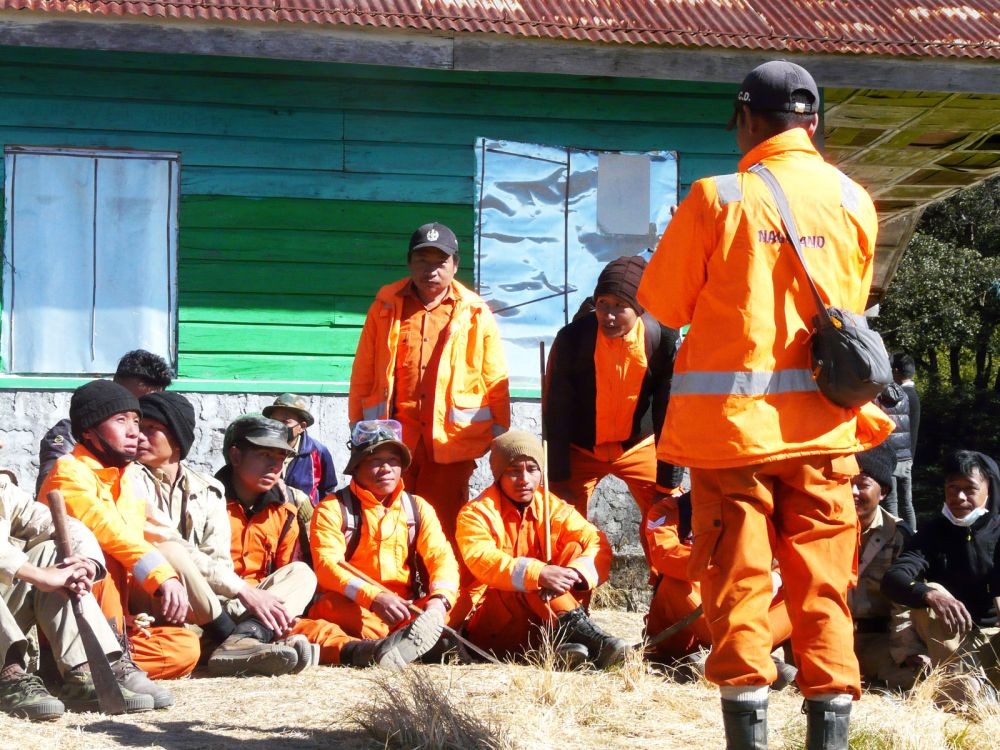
[
  {"x": 501, "y": 538},
  {"x": 378, "y": 549}
]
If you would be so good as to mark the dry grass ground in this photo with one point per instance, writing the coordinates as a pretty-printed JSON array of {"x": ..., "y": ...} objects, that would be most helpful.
[{"x": 477, "y": 706}]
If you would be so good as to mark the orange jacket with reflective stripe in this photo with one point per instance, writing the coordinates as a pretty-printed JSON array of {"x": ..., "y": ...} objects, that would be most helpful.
[
  {"x": 472, "y": 397},
  {"x": 743, "y": 391},
  {"x": 109, "y": 502},
  {"x": 267, "y": 540},
  {"x": 383, "y": 550},
  {"x": 504, "y": 548}
]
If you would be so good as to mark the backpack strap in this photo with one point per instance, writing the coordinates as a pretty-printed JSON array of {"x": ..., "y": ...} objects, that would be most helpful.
[
  {"x": 350, "y": 512},
  {"x": 418, "y": 576},
  {"x": 271, "y": 568}
]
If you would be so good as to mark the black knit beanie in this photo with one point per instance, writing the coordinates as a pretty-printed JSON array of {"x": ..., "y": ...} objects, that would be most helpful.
[
  {"x": 94, "y": 402},
  {"x": 174, "y": 412},
  {"x": 621, "y": 278},
  {"x": 879, "y": 463}
]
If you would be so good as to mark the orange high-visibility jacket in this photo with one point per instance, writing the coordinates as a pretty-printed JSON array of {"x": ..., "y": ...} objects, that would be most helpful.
[
  {"x": 504, "y": 548},
  {"x": 472, "y": 396},
  {"x": 383, "y": 551},
  {"x": 106, "y": 501},
  {"x": 668, "y": 553},
  {"x": 265, "y": 541},
  {"x": 743, "y": 391}
]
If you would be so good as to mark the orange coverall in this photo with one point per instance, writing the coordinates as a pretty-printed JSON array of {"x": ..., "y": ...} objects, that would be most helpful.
[
  {"x": 503, "y": 548},
  {"x": 675, "y": 595},
  {"x": 770, "y": 455},
  {"x": 462, "y": 398},
  {"x": 105, "y": 501},
  {"x": 343, "y": 612}
]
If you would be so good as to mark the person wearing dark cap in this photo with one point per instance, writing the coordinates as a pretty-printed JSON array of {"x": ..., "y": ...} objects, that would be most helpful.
[
  {"x": 771, "y": 458},
  {"x": 264, "y": 523},
  {"x": 607, "y": 386},
  {"x": 310, "y": 468},
  {"x": 519, "y": 593},
  {"x": 102, "y": 493},
  {"x": 431, "y": 358},
  {"x": 950, "y": 577},
  {"x": 138, "y": 372},
  {"x": 889, "y": 651},
  {"x": 390, "y": 536}
]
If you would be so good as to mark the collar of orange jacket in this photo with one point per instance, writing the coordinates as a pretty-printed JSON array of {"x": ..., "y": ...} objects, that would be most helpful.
[
  {"x": 368, "y": 498},
  {"x": 796, "y": 139}
]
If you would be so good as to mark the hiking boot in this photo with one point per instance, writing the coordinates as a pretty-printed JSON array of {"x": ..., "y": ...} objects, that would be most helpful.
[
  {"x": 399, "y": 648},
  {"x": 242, "y": 654},
  {"x": 603, "y": 649},
  {"x": 79, "y": 694},
  {"x": 570, "y": 656},
  {"x": 304, "y": 651},
  {"x": 24, "y": 695},
  {"x": 745, "y": 723},
  {"x": 827, "y": 724},
  {"x": 131, "y": 677},
  {"x": 786, "y": 674}
]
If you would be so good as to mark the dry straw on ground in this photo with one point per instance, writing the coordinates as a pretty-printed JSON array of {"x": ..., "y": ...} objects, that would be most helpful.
[{"x": 482, "y": 706}]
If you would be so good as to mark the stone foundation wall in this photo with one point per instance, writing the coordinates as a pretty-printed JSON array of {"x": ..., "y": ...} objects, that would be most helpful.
[{"x": 27, "y": 415}]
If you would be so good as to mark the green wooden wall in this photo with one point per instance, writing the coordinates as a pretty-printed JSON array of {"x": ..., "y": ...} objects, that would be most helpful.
[{"x": 301, "y": 183}]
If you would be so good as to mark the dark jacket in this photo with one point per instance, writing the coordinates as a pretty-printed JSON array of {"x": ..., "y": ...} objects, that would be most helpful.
[
  {"x": 312, "y": 470},
  {"x": 914, "y": 400},
  {"x": 894, "y": 402},
  {"x": 963, "y": 560},
  {"x": 571, "y": 394},
  {"x": 55, "y": 444}
]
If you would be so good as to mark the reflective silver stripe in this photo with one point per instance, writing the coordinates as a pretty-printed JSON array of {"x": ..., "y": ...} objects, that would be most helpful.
[
  {"x": 712, "y": 383},
  {"x": 375, "y": 412},
  {"x": 482, "y": 414},
  {"x": 446, "y": 585},
  {"x": 520, "y": 571},
  {"x": 587, "y": 567},
  {"x": 353, "y": 587},
  {"x": 848, "y": 193},
  {"x": 656, "y": 523},
  {"x": 728, "y": 188},
  {"x": 147, "y": 563}
]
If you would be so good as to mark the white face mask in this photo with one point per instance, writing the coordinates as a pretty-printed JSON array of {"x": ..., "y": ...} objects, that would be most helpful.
[{"x": 970, "y": 519}]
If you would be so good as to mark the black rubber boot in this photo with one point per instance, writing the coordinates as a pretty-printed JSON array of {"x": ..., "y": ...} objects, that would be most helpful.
[
  {"x": 745, "y": 723},
  {"x": 827, "y": 725}
]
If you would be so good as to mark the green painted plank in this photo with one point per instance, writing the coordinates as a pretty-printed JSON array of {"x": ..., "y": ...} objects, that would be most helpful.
[
  {"x": 196, "y": 150},
  {"x": 279, "y": 278},
  {"x": 302, "y": 309},
  {"x": 296, "y": 246},
  {"x": 411, "y": 158},
  {"x": 258, "y": 338},
  {"x": 279, "y": 183},
  {"x": 234, "y": 121},
  {"x": 230, "y": 212},
  {"x": 191, "y": 385},
  {"x": 279, "y": 367}
]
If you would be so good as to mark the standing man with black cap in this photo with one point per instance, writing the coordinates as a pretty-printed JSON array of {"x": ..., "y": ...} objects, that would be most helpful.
[
  {"x": 606, "y": 391},
  {"x": 771, "y": 457},
  {"x": 430, "y": 357}
]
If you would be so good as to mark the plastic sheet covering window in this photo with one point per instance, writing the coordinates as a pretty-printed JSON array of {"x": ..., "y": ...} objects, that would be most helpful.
[
  {"x": 548, "y": 220},
  {"x": 89, "y": 265}
]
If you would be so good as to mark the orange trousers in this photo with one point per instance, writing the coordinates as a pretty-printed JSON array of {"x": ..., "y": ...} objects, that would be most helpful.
[
  {"x": 163, "y": 652},
  {"x": 800, "y": 511},
  {"x": 509, "y": 623},
  {"x": 334, "y": 621},
  {"x": 675, "y": 599}
]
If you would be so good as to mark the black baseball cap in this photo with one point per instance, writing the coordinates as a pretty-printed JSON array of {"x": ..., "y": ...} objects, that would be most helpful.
[
  {"x": 778, "y": 86},
  {"x": 434, "y": 235}
]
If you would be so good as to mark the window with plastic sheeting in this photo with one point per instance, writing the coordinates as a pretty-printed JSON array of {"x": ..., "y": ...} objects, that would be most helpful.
[
  {"x": 90, "y": 259},
  {"x": 548, "y": 219}
]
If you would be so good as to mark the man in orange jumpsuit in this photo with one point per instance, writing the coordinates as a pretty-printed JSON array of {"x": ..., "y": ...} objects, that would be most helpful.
[
  {"x": 520, "y": 593},
  {"x": 391, "y": 537},
  {"x": 430, "y": 356},
  {"x": 264, "y": 543},
  {"x": 101, "y": 493},
  {"x": 676, "y": 596},
  {"x": 771, "y": 458}
]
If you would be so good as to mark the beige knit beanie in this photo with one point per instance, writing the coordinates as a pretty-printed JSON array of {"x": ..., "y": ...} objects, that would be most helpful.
[{"x": 505, "y": 449}]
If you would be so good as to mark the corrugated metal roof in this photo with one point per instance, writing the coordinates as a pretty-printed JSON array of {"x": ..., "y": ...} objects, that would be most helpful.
[{"x": 909, "y": 28}]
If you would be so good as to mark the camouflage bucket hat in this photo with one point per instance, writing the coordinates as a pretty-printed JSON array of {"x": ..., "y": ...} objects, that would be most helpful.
[
  {"x": 372, "y": 434},
  {"x": 294, "y": 403}
]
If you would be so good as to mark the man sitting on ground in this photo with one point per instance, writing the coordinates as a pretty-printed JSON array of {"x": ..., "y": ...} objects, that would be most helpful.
[
  {"x": 392, "y": 538},
  {"x": 310, "y": 469},
  {"x": 950, "y": 578},
  {"x": 35, "y": 589},
  {"x": 264, "y": 540},
  {"x": 519, "y": 594}
]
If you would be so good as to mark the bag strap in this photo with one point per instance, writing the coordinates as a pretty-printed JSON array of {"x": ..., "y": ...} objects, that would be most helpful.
[
  {"x": 350, "y": 513},
  {"x": 792, "y": 230}
]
